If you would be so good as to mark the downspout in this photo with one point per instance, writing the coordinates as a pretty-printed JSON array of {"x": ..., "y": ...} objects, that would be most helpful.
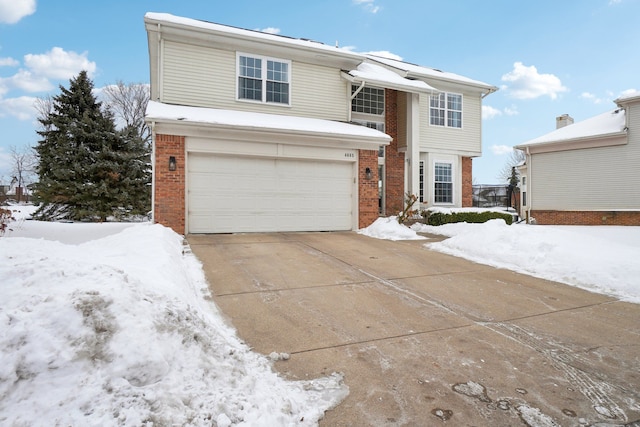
[
  {"x": 160, "y": 62},
  {"x": 153, "y": 171},
  {"x": 529, "y": 185}
]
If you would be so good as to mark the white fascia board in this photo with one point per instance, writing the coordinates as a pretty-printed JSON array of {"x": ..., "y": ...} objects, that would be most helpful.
[
  {"x": 198, "y": 121},
  {"x": 605, "y": 140}
]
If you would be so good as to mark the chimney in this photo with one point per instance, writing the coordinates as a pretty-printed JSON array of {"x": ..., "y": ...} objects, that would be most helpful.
[{"x": 563, "y": 120}]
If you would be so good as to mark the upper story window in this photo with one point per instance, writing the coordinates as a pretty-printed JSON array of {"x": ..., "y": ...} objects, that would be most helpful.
[
  {"x": 263, "y": 79},
  {"x": 445, "y": 109},
  {"x": 369, "y": 100}
]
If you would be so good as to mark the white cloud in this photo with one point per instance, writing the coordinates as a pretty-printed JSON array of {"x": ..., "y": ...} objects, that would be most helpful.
[
  {"x": 501, "y": 150},
  {"x": 489, "y": 112},
  {"x": 22, "y": 108},
  {"x": 511, "y": 111},
  {"x": 12, "y": 11},
  {"x": 27, "y": 81},
  {"x": 591, "y": 97},
  {"x": 385, "y": 54},
  {"x": 8, "y": 62},
  {"x": 612, "y": 2},
  {"x": 369, "y": 5},
  {"x": 627, "y": 92},
  {"x": 269, "y": 30},
  {"x": 526, "y": 83},
  {"x": 59, "y": 64}
]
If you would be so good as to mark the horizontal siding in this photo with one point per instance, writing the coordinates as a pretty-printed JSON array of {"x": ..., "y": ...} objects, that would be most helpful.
[
  {"x": 467, "y": 139},
  {"x": 604, "y": 178},
  {"x": 319, "y": 92},
  {"x": 197, "y": 76},
  {"x": 206, "y": 77}
]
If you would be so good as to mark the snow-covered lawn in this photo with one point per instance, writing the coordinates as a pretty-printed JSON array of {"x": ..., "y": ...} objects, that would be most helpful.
[
  {"x": 604, "y": 259},
  {"x": 113, "y": 324}
]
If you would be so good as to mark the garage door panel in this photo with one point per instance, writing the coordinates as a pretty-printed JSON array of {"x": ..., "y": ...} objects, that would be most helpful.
[{"x": 244, "y": 194}]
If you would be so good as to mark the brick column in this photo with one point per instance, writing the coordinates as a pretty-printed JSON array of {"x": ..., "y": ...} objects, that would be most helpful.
[
  {"x": 169, "y": 186},
  {"x": 394, "y": 160},
  {"x": 367, "y": 188},
  {"x": 467, "y": 182}
]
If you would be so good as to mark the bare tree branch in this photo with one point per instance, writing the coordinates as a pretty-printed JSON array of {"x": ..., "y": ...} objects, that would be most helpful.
[
  {"x": 515, "y": 158},
  {"x": 44, "y": 106},
  {"x": 23, "y": 161},
  {"x": 128, "y": 102}
]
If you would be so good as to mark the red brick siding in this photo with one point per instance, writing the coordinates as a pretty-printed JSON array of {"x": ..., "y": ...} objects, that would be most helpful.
[
  {"x": 367, "y": 188},
  {"x": 467, "y": 182},
  {"x": 169, "y": 186},
  {"x": 586, "y": 217},
  {"x": 394, "y": 159}
]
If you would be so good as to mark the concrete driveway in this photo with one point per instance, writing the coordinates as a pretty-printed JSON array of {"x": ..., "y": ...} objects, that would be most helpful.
[{"x": 427, "y": 339}]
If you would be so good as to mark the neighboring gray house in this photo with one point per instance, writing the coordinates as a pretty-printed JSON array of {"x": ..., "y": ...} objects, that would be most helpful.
[{"x": 585, "y": 173}]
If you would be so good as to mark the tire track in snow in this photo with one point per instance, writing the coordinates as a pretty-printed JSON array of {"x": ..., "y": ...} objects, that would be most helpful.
[{"x": 597, "y": 391}]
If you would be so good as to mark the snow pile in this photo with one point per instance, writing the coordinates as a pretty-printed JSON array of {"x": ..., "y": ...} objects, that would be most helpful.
[
  {"x": 121, "y": 331},
  {"x": 390, "y": 229},
  {"x": 600, "y": 259}
]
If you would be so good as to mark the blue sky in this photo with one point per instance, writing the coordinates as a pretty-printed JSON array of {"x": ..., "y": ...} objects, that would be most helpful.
[{"x": 548, "y": 58}]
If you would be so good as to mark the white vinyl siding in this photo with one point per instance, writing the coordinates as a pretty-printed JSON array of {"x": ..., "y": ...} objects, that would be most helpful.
[
  {"x": 465, "y": 141},
  {"x": 592, "y": 179},
  {"x": 206, "y": 77},
  {"x": 197, "y": 76}
]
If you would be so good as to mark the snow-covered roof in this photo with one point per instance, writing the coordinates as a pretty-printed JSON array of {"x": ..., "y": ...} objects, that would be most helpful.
[
  {"x": 377, "y": 75},
  {"x": 157, "y": 111},
  {"x": 168, "y": 18},
  {"x": 418, "y": 71},
  {"x": 631, "y": 96},
  {"x": 611, "y": 123}
]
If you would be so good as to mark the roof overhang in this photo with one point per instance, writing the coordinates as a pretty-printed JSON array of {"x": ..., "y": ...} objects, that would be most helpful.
[
  {"x": 437, "y": 77},
  {"x": 597, "y": 141},
  {"x": 170, "y": 27},
  {"x": 259, "y": 127},
  {"x": 377, "y": 75}
]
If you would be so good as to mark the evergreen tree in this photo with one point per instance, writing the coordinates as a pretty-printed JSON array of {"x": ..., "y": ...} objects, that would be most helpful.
[{"x": 84, "y": 162}]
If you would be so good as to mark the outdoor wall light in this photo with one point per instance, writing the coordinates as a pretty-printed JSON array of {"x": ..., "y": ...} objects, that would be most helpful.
[
  {"x": 172, "y": 163},
  {"x": 367, "y": 173}
]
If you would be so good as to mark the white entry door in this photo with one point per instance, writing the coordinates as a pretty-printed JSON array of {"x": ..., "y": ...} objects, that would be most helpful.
[{"x": 244, "y": 194}]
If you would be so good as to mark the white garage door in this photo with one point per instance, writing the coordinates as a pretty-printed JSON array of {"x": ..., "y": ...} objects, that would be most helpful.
[{"x": 243, "y": 194}]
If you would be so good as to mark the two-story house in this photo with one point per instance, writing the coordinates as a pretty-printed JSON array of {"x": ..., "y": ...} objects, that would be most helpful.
[
  {"x": 261, "y": 132},
  {"x": 585, "y": 173}
]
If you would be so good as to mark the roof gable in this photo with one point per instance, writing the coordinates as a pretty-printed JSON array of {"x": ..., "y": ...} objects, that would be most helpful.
[
  {"x": 601, "y": 130},
  {"x": 420, "y": 72}
]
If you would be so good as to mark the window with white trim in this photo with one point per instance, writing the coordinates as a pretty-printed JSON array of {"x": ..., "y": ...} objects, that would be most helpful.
[
  {"x": 443, "y": 183},
  {"x": 263, "y": 79},
  {"x": 369, "y": 100},
  {"x": 445, "y": 109}
]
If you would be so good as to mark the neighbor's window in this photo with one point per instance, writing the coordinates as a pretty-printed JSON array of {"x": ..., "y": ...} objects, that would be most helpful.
[
  {"x": 445, "y": 109},
  {"x": 443, "y": 181},
  {"x": 369, "y": 100},
  {"x": 263, "y": 79}
]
